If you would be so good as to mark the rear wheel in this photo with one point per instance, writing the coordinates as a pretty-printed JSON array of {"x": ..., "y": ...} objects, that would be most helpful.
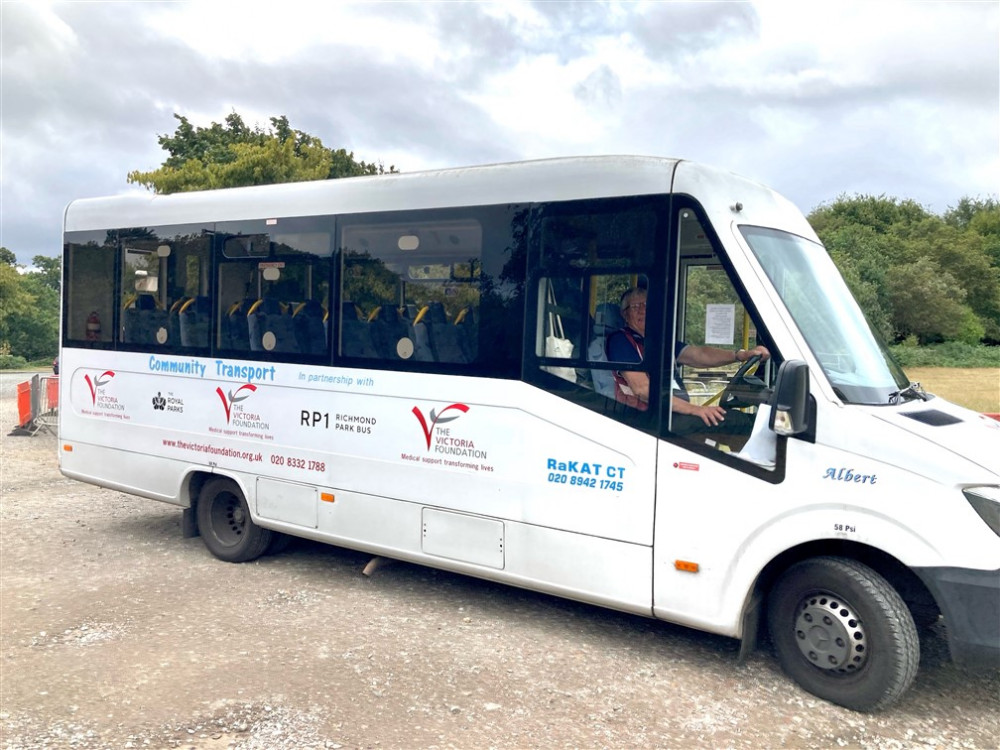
[
  {"x": 843, "y": 633},
  {"x": 225, "y": 526}
]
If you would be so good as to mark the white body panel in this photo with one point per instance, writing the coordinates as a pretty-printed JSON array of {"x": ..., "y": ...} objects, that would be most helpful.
[{"x": 355, "y": 434}]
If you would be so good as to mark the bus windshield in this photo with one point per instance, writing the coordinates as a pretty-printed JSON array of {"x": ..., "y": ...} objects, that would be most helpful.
[{"x": 857, "y": 364}]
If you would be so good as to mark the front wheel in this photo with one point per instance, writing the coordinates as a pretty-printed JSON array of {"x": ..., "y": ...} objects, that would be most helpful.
[
  {"x": 843, "y": 633},
  {"x": 225, "y": 526}
]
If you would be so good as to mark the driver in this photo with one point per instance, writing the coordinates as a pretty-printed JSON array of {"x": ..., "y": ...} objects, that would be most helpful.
[{"x": 626, "y": 345}]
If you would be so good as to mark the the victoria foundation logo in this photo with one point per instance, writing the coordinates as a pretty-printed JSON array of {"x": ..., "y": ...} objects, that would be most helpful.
[
  {"x": 240, "y": 421},
  {"x": 105, "y": 404},
  {"x": 448, "y": 445},
  {"x": 97, "y": 383},
  {"x": 437, "y": 418},
  {"x": 234, "y": 398}
]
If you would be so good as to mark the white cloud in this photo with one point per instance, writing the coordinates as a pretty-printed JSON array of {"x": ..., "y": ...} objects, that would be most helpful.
[
  {"x": 817, "y": 99},
  {"x": 269, "y": 33}
]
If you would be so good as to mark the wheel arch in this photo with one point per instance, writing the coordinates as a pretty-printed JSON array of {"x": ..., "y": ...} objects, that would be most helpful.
[
  {"x": 190, "y": 492},
  {"x": 192, "y": 485},
  {"x": 911, "y": 589},
  {"x": 194, "y": 482}
]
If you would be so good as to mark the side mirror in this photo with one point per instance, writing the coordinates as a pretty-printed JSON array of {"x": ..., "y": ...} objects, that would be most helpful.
[{"x": 790, "y": 412}]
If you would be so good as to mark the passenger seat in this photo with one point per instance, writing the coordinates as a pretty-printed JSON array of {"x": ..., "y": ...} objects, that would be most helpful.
[{"x": 607, "y": 320}]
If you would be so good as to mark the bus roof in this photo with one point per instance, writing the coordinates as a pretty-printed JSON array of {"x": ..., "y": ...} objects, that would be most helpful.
[{"x": 557, "y": 179}]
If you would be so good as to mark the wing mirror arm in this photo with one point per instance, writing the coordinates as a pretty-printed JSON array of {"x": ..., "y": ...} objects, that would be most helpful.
[{"x": 790, "y": 413}]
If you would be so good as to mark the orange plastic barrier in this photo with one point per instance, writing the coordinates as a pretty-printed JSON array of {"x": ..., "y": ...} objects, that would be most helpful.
[
  {"x": 52, "y": 393},
  {"x": 24, "y": 415}
]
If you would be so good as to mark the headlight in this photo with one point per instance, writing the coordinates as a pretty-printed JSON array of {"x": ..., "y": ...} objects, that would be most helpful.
[{"x": 985, "y": 501}]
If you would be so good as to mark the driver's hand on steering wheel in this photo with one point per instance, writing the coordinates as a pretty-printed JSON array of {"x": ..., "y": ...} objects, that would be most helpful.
[{"x": 757, "y": 351}]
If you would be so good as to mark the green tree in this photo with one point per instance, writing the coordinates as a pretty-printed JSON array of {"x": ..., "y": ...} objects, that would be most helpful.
[
  {"x": 962, "y": 215},
  {"x": 878, "y": 241},
  {"x": 29, "y": 315},
  {"x": 986, "y": 224},
  {"x": 13, "y": 298},
  {"x": 34, "y": 329},
  {"x": 49, "y": 271},
  {"x": 927, "y": 302},
  {"x": 29, "y": 308},
  {"x": 7, "y": 257},
  {"x": 235, "y": 155},
  {"x": 880, "y": 213},
  {"x": 961, "y": 253}
]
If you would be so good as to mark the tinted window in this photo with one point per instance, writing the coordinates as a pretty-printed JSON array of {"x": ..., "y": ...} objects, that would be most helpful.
[
  {"x": 435, "y": 290},
  {"x": 164, "y": 288},
  {"x": 89, "y": 272},
  {"x": 273, "y": 288},
  {"x": 590, "y": 253}
]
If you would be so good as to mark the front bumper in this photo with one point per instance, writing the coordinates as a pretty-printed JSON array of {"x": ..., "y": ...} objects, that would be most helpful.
[{"x": 970, "y": 603}]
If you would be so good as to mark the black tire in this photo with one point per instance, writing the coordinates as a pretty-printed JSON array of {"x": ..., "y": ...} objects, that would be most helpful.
[
  {"x": 279, "y": 543},
  {"x": 225, "y": 526},
  {"x": 843, "y": 633}
]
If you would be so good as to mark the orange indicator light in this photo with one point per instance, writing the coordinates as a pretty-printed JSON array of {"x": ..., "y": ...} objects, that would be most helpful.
[
  {"x": 685, "y": 566},
  {"x": 68, "y": 448},
  {"x": 326, "y": 497}
]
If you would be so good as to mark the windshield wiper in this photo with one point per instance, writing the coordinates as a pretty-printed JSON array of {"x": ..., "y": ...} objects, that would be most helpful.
[{"x": 913, "y": 390}]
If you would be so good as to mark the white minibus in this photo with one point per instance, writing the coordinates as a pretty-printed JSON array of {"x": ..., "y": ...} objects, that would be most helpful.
[{"x": 635, "y": 382}]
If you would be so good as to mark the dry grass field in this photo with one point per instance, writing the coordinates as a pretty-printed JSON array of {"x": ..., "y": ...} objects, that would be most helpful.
[{"x": 976, "y": 388}]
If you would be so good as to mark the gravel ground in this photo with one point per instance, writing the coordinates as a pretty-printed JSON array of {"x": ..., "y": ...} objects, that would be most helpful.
[{"x": 115, "y": 632}]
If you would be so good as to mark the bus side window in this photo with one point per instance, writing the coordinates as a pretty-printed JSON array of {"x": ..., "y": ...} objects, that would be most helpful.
[
  {"x": 89, "y": 262},
  {"x": 164, "y": 271},
  {"x": 591, "y": 253},
  {"x": 144, "y": 318},
  {"x": 273, "y": 288},
  {"x": 411, "y": 290}
]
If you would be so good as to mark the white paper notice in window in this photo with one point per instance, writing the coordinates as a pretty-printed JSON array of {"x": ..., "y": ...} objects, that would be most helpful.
[{"x": 720, "y": 324}]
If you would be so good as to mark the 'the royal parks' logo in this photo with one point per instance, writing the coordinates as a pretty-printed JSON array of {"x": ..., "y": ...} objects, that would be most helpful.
[
  {"x": 97, "y": 383},
  {"x": 168, "y": 402},
  {"x": 437, "y": 419},
  {"x": 240, "y": 394}
]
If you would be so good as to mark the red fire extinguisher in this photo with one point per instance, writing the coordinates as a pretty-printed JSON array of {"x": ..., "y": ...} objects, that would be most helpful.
[{"x": 93, "y": 327}]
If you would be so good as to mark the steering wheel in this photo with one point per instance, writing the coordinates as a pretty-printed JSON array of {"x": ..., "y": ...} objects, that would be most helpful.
[{"x": 743, "y": 383}]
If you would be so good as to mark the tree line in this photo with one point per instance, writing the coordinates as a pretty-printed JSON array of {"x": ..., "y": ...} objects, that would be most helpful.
[
  {"x": 29, "y": 310},
  {"x": 921, "y": 278}
]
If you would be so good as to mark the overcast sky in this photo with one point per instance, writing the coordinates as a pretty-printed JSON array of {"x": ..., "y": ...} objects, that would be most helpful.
[{"x": 815, "y": 99}]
